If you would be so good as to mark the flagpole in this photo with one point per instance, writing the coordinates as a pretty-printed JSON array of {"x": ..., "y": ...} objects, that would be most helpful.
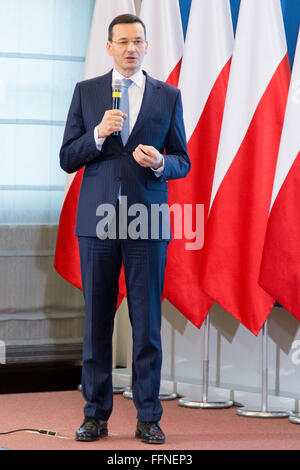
[
  {"x": 264, "y": 411},
  {"x": 205, "y": 403}
]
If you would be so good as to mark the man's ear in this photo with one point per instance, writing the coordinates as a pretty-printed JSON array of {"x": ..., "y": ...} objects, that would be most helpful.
[{"x": 108, "y": 48}]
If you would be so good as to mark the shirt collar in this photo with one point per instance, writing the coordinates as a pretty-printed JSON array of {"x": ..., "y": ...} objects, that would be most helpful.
[{"x": 137, "y": 78}]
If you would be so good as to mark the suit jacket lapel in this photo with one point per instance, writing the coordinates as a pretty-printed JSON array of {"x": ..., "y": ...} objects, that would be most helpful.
[
  {"x": 105, "y": 90},
  {"x": 148, "y": 102}
]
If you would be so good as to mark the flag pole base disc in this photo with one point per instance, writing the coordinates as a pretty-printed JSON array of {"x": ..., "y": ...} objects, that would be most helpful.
[
  {"x": 204, "y": 404},
  {"x": 117, "y": 390},
  {"x": 167, "y": 396},
  {"x": 162, "y": 396},
  {"x": 128, "y": 393},
  {"x": 294, "y": 418},
  {"x": 262, "y": 414}
]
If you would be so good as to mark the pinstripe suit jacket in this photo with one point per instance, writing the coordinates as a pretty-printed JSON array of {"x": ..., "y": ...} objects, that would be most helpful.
[{"x": 159, "y": 123}]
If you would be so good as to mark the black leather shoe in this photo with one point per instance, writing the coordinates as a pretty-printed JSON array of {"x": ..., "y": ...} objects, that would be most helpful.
[
  {"x": 150, "y": 432},
  {"x": 91, "y": 429}
]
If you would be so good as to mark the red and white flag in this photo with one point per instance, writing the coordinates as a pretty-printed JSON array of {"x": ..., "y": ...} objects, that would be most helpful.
[
  {"x": 245, "y": 168},
  {"x": 280, "y": 269},
  {"x": 67, "y": 261},
  {"x": 203, "y": 83},
  {"x": 166, "y": 42}
]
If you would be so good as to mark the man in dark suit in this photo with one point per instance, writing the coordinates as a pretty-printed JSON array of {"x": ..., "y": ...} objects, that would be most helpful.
[{"x": 125, "y": 171}]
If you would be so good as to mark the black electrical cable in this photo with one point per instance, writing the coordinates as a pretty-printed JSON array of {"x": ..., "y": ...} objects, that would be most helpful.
[
  {"x": 40, "y": 431},
  {"x": 17, "y": 430}
]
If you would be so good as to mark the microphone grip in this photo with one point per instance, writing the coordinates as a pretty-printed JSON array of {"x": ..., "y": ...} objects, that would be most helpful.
[{"x": 116, "y": 105}]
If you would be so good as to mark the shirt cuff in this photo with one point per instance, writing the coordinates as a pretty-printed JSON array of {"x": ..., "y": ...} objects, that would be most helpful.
[
  {"x": 99, "y": 141},
  {"x": 159, "y": 171}
]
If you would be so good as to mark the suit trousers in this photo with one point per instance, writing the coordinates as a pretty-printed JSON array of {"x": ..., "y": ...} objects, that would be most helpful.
[{"x": 144, "y": 266}]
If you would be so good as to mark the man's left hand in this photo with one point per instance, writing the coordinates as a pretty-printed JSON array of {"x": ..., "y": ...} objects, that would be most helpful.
[{"x": 147, "y": 156}]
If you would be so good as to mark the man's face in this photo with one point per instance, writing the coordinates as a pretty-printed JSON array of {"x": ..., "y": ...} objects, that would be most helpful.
[{"x": 127, "y": 57}]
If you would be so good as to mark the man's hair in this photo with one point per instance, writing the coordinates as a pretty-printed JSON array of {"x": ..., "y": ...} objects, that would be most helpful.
[{"x": 124, "y": 19}]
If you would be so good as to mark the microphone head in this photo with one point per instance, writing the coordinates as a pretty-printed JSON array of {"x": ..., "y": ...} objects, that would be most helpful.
[{"x": 116, "y": 85}]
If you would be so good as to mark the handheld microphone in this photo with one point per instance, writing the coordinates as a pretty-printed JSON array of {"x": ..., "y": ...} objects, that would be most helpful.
[{"x": 116, "y": 97}]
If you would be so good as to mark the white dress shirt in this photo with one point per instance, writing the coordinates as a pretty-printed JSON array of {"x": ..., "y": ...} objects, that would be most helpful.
[{"x": 135, "y": 95}]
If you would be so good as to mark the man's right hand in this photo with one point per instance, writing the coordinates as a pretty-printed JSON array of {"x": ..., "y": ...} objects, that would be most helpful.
[{"x": 112, "y": 122}]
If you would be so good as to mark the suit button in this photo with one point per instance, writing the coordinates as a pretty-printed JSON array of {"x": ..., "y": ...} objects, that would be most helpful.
[{"x": 118, "y": 178}]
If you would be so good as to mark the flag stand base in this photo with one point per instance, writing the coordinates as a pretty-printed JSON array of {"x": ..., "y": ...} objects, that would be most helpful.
[
  {"x": 162, "y": 396},
  {"x": 204, "y": 403},
  {"x": 294, "y": 418},
  {"x": 263, "y": 412},
  {"x": 116, "y": 390}
]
